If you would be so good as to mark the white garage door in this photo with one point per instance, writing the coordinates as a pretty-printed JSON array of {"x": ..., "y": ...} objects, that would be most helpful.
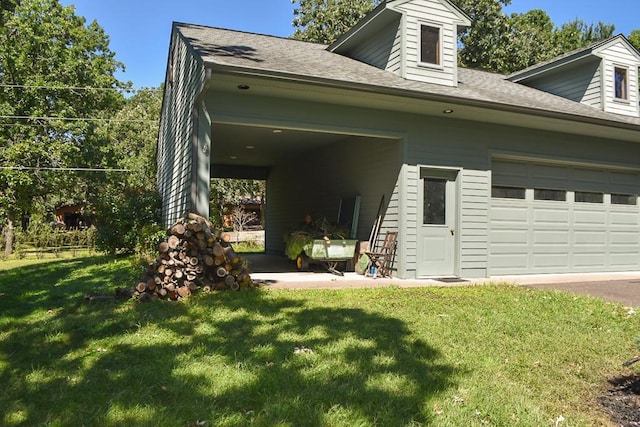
[{"x": 550, "y": 218}]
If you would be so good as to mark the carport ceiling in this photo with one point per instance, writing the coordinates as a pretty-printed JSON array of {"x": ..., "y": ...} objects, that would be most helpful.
[{"x": 259, "y": 146}]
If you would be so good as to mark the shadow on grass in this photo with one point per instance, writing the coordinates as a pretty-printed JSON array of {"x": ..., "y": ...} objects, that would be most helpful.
[{"x": 225, "y": 358}]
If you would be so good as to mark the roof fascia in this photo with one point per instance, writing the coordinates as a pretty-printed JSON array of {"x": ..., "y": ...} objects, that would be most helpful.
[
  {"x": 520, "y": 76},
  {"x": 353, "y": 31},
  {"x": 391, "y": 91}
]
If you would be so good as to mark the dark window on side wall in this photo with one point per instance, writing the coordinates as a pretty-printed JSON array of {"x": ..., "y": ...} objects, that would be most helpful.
[
  {"x": 555, "y": 195},
  {"x": 429, "y": 44},
  {"x": 624, "y": 199},
  {"x": 589, "y": 197},
  {"x": 507, "y": 192},
  {"x": 621, "y": 83}
]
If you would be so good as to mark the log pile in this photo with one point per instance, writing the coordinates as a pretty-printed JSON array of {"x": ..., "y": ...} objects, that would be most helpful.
[{"x": 194, "y": 257}]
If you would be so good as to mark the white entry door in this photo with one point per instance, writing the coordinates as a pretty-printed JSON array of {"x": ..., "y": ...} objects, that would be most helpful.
[{"x": 437, "y": 222}]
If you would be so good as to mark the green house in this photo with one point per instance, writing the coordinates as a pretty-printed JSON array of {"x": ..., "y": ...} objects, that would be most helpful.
[{"x": 482, "y": 174}]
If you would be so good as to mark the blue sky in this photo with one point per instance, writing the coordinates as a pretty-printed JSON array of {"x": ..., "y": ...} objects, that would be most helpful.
[{"x": 140, "y": 29}]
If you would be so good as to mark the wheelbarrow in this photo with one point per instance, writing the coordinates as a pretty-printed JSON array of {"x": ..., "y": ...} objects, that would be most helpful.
[{"x": 329, "y": 252}]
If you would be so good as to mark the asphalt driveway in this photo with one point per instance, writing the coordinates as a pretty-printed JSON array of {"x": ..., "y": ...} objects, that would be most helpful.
[{"x": 626, "y": 292}]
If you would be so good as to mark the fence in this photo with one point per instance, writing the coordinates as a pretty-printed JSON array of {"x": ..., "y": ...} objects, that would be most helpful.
[{"x": 54, "y": 242}]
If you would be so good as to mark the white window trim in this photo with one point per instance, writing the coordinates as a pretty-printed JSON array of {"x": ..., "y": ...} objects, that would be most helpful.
[
  {"x": 440, "y": 27},
  {"x": 626, "y": 100}
]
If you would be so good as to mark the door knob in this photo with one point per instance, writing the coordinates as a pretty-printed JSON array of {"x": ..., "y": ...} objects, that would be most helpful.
[{"x": 453, "y": 231}]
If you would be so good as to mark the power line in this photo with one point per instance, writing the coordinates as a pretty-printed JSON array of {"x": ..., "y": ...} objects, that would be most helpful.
[
  {"x": 76, "y": 119},
  {"x": 21, "y": 86},
  {"x": 38, "y": 168}
]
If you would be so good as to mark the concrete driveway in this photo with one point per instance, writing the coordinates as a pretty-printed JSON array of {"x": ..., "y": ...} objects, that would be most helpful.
[{"x": 277, "y": 272}]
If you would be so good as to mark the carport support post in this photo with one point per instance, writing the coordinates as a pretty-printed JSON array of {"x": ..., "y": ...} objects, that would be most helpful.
[{"x": 201, "y": 166}]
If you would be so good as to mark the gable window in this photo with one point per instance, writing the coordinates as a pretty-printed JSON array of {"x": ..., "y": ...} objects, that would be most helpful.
[
  {"x": 620, "y": 79},
  {"x": 429, "y": 44}
]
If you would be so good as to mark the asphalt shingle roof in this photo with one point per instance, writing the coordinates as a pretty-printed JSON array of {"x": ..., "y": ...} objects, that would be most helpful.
[{"x": 297, "y": 58}]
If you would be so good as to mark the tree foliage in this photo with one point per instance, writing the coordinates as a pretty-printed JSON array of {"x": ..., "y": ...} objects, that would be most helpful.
[
  {"x": 634, "y": 38},
  {"x": 502, "y": 43},
  {"x": 228, "y": 191},
  {"x": 126, "y": 205},
  {"x": 48, "y": 58},
  {"x": 323, "y": 21}
]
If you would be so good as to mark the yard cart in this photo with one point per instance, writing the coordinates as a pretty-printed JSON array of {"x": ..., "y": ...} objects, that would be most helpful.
[{"x": 329, "y": 252}]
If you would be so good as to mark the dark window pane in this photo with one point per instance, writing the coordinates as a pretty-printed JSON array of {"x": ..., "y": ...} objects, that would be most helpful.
[
  {"x": 624, "y": 199},
  {"x": 430, "y": 45},
  {"x": 435, "y": 191},
  {"x": 507, "y": 192},
  {"x": 621, "y": 83},
  {"x": 588, "y": 197},
  {"x": 556, "y": 195}
]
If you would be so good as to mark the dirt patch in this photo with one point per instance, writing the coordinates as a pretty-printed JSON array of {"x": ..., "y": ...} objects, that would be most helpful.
[{"x": 622, "y": 400}]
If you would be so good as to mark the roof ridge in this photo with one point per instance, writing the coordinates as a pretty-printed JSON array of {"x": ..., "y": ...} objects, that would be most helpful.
[{"x": 186, "y": 24}]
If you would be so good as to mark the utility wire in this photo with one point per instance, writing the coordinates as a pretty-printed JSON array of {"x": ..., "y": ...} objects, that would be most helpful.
[
  {"x": 76, "y": 119},
  {"x": 20, "y": 86},
  {"x": 38, "y": 168}
]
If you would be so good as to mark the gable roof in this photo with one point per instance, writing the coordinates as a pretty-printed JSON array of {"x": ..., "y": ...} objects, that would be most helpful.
[
  {"x": 269, "y": 56},
  {"x": 572, "y": 56},
  {"x": 382, "y": 14}
]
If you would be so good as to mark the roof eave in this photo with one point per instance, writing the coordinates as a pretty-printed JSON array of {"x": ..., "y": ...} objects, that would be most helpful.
[{"x": 391, "y": 91}]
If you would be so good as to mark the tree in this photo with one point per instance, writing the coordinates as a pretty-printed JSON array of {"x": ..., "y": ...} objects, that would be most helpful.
[
  {"x": 501, "y": 43},
  {"x": 485, "y": 42},
  {"x": 577, "y": 33},
  {"x": 323, "y": 21},
  {"x": 126, "y": 205},
  {"x": 634, "y": 38},
  {"x": 232, "y": 191},
  {"x": 54, "y": 70}
]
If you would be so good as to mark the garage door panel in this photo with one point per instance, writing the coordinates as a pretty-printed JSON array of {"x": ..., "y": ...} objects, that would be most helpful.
[
  {"x": 510, "y": 263},
  {"x": 556, "y": 217},
  {"x": 589, "y": 237},
  {"x": 550, "y": 237},
  {"x": 585, "y": 260},
  {"x": 624, "y": 238},
  {"x": 558, "y": 260},
  {"x": 509, "y": 237},
  {"x": 510, "y": 215},
  {"x": 586, "y": 217},
  {"x": 624, "y": 260},
  {"x": 624, "y": 218}
]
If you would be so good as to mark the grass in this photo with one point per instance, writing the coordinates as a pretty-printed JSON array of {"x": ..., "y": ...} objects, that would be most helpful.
[{"x": 472, "y": 356}]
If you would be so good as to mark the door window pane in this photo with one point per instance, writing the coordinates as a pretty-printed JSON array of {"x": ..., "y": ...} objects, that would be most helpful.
[{"x": 435, "y": 192}]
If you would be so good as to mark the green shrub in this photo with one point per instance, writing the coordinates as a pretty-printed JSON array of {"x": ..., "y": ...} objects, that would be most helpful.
[{"x": 127, "y": 220}]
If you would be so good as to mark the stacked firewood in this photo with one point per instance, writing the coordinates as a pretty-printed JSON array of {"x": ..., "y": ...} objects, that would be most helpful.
[{"x": 194, "y": 257}]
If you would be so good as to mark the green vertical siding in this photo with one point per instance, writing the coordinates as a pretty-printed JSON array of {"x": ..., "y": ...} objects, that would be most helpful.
[{"x": 185, "y": 76}]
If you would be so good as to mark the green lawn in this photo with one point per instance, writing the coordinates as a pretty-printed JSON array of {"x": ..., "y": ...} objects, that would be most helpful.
[{"x": 459, "y": 356}]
